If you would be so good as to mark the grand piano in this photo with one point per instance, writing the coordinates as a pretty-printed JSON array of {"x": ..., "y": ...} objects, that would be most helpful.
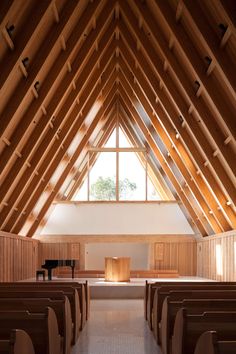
[{"x": 50, "y": 264}]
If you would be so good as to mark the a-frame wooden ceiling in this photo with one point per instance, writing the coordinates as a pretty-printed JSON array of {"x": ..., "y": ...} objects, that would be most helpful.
[{"x": 165, "y": 68}]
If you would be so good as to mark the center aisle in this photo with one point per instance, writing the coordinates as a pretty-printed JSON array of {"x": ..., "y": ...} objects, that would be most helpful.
[{"x": 116, "y": 327}]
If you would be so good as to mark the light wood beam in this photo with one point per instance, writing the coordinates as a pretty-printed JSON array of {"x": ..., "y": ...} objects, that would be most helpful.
[
  {"x": 46, "y": 205},
  {"x": 85, "y": 104},
  {"x": 22, "y": 40},
  {"x": 185, "y": 157},
  {"x": 206, "y": 35},
  {"x": 79, "y": 176},
  {"x": 172, "y": 152},
  {"x": 194, "y": 102},
  {"x": 25, "y": 86},
  {"x": 174, "y": 114},
  {"x": 191, "y": 56},
  {"x": 68, "y": 105},
  {"x": 127, "y": 105}
]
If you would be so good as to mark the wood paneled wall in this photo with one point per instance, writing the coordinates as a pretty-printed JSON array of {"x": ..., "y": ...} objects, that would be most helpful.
[
  {"x": 207, "y": 260},
  {"x": 176, "y": 255},
  {"x": 166, "y": 252},
  {"x": 18, "y": 257}
]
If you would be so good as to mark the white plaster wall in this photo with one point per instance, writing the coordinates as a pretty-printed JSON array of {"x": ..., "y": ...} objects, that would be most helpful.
[
  {"x": 95, "y": 254},
  {"x": 117, "y": 219}
]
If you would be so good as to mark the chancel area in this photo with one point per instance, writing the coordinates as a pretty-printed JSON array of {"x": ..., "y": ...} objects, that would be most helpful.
[{"x": 117, "y": 176}]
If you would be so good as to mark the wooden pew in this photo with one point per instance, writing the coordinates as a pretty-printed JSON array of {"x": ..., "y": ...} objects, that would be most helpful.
[
  {"x": 155, "y": 315},
  {"x": 61, "y": 308},
  {"x": 82, "y": 289},
  {"x": 41, "y": 327},
  {"x": 188, "y": 328},
  {"x": 16, "y": 341},
  {"x": 33, "y": 292},
  {"x": 193, "y": 306},
  {"x": 209, "y": 343}
]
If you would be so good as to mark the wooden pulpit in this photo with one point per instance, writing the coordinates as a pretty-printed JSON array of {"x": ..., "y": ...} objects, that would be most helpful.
[{"x": 117, "y": 268}]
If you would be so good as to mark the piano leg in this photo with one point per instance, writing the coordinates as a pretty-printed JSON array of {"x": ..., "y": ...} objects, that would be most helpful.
[{"x": 49, "y": 274}]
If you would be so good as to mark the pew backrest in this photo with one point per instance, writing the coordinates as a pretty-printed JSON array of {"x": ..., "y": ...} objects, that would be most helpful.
[
  {"x": 15, "y": 341},
  {"x": 42, "y": 328},
  {"x": 188, "y": 328},
  {"x": 208, "y": 343}
]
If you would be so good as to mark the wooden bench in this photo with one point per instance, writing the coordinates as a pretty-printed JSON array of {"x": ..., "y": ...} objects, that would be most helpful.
[
  {"x": 155, "y": 310},
  {"x": 82, "y": 289},
  {"x": 34, "y": 292},
  {"x": 193, "y": 306},
  {"x": 15, "y": 342},
  {"x": 61, "y": 308},
  {"x": 188, "y": 328},
  {"x": 209, "y": 343},
  {"x": 41, "y": 327}
]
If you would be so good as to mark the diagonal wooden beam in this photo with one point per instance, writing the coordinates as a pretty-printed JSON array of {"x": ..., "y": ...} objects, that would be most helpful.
[
  {"x": 170, "y": 191},
  {"x": 173, "y": 113},
  {"x": 85, "y": 104},
  {"x": 31, "y": 146},
  {"x": 79, "y": 176},
  {"x": 59, "y": 94},
  {"x": 217, "y": 97},
  {"x": 196, "y": 103},
  {"x": 195, "y": 189},
  {"x": 80, "y": 147},
  {"x": 206, "y": 35},
  {"x": 127, "y": 105},
  {"x": 25, "y": 86},
  {"x": 191, "y": 172},
  {"x": 22, "y": 41}
]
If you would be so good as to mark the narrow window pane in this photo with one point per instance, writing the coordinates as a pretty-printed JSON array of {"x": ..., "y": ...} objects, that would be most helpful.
[
  {"x": 102, "y": 177},
  {"x": 132, "y": 179}
]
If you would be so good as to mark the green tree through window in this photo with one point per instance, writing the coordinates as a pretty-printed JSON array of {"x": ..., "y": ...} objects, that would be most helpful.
[{"x": 105, "y": 188}]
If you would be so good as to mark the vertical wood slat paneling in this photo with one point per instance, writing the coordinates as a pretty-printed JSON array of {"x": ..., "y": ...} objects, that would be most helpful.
[
  {"x": 206, "y": 256},
  {"x": 176, "y": 255},
  {"x": 18, "y": 257}
]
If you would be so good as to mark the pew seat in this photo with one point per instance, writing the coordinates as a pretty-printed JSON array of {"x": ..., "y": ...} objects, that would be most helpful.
[{"x": 17, "y": 341}]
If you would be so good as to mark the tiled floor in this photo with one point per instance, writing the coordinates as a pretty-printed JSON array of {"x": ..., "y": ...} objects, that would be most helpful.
[{"x": 116, "y": 327}]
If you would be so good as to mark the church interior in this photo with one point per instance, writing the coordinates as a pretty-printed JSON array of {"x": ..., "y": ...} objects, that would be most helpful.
[{"x": 117, "y": 176}]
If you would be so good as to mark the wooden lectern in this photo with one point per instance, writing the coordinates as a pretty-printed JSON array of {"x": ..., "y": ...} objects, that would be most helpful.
[{"x": 117, "y": 268}]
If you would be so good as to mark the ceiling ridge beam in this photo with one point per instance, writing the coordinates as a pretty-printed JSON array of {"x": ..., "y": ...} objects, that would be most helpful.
[
  {"x": 195, "y": 62},
  {"x": 25, "y": 86},
  {"x": 186, "y": 157},
  {"x": 128, "y": 105},
  {"x": 85, "y": 103},
  {"x": 11, "y": 60},
  {"x": 60, "y": 181},
  {"x": 207, "y": 118},
  {"x": 193, "y": 186},
  {"x": 174, "y": 116}
]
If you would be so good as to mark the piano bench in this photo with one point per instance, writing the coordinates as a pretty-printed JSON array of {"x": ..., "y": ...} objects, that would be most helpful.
[{"x": 40, "y": 272}]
